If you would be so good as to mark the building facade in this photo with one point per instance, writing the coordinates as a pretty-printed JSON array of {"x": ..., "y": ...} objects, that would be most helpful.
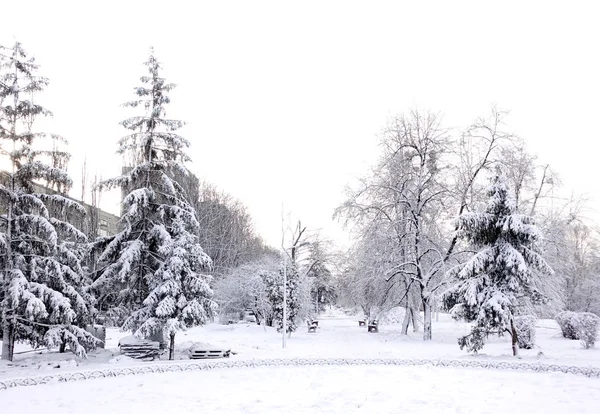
[{"x": 95, "y": 222}]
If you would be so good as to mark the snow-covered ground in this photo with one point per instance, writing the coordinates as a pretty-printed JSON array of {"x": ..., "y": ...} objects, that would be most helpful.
[
  {"x": 338, "y": 336},
  {"x": 342, "y": 389},
  {"x": 316, "y": 388},
  {"x": 364, "y": 389}
]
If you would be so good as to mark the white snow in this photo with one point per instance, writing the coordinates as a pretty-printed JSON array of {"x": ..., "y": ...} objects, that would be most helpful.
[
  {"x": 323, "y": 389},
  {"x": 372, "y": 389},
  {"x": 338, "y": 336},
  {"x": 132, "y": 340}
]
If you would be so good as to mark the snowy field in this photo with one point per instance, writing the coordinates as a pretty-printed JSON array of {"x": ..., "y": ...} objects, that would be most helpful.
[
  {"x": 309, "y": 388},
  {"x": 373, "y": 389},
  {"x": 338, "y": 336}
]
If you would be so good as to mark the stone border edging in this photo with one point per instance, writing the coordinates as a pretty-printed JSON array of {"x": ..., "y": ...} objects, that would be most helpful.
[{"x": 208, "y": 365}]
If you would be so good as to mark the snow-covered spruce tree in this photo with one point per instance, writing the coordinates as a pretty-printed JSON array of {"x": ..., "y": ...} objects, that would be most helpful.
[
  {"x": 492, "y": 282},
  {"x": 42, "y": 292},
  {"x": 274, "y": 285},
  {"x": 155, "y": 261}
]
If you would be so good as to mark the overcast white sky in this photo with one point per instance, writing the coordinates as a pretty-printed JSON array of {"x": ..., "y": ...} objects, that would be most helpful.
[{"x": 284, "y": 100}]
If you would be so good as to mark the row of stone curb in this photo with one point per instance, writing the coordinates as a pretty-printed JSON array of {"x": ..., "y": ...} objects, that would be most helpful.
[{"x": 208, "y": 365}]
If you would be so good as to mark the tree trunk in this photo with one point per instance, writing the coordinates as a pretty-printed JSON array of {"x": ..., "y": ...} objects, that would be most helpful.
[
  {"x": 406, "y": 321},
  {"x": 515, "y": 346},
  {"x": 63, "y": 345},
  {"x": 7, "y": 340},
  {"x": 7, "y": 327},
  {"x": 412, "y": 307},
  {"x": 366, "y": 311},
  {"x": 171, "y": 346},
  {"x": 426, "y": 320},
  {"x": 414, "y": 319},
  {"x": 12, "y": 339},
  {"x": 317, "y": 303}
]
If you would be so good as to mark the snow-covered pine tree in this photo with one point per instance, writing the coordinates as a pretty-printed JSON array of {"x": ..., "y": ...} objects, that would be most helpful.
[
  {"x": 274, "y": 286},
  {"x": 155, "y": 261},
  {"x": 492, "y": 282},
  {"x": 42, "y": 292}
]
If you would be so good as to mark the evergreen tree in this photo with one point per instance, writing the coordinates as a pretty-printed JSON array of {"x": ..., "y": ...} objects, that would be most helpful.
[
  {"x": 493, "y": 282},
  {"x": 274, "y": 285},
  {"x": 155, "y": 261},
  {"x": 42, "y": 290},
  {"x": 323, "y": 290}
]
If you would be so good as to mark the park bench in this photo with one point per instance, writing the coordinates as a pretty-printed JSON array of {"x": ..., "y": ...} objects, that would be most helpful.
[
  {"x": 362, "y": 323},
  {"x": 136, "y": 348},
  {"x": 209, "y": 354},
  {"x": 312, "y": 326},
  {"x": 373, "y": 327}
]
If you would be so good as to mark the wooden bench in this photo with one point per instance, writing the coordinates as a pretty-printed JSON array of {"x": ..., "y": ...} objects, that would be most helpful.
[
  {"x": 362, "y": 323},
  {"x": 136, "y": 348},
  {"x": 208, "y": 354},
  {"x": 312, "y": 326},
  {"x": 373, "y": 327}
]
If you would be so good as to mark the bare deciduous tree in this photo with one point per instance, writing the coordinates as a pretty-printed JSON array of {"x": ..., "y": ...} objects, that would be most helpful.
[
  {"x": 423, "y": 180},
  {"x": 227, "y": 233}
]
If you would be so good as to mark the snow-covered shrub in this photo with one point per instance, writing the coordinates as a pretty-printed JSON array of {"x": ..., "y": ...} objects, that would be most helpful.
[
  {"x": 582, "y": 326},
  {"x": 568, "y": 322},
  {"x": 525, "y": 326},
  {"x": 244, "y": 288},
  {"x": 588, "y": 328}
]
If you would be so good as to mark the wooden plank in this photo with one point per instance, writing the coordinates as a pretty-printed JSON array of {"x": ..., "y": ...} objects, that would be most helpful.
[
  {"x": 206, "y": 354},
  {"x": 141, "y": 349}
]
